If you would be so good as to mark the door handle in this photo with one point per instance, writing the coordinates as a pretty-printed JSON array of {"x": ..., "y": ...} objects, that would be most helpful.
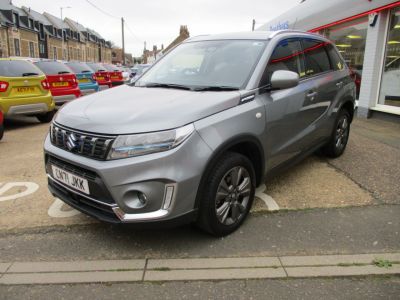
[{"x": 339, "y": 84}]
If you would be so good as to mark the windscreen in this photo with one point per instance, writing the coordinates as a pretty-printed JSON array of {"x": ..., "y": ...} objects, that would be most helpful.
[
  {"x": 18, "y": 68},
  {"x": 222, "y": 63},
  {"x": 79, "y": 67},
  {"x": 53, "y": 67}
]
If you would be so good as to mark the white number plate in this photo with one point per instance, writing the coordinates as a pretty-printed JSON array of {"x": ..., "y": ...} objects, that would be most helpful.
[{"x": 71, "y": 180}]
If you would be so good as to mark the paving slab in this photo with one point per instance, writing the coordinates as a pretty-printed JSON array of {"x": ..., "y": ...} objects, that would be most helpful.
[
  {"x": 213, "y": 263},
  {"x": 76, "y": 266},
  {"x": 71, "y": 277},
  {"x": 338, "y": 271},
  {"x": 214, "y": 274},
  {"x": 4, "y": 267},
  {"x": 325, "y": 260}
]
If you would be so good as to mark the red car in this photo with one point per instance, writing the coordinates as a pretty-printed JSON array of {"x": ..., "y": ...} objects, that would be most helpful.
[
  {"x": 63, "y": 83},
  {"x": 1, "y": 125},
  {"x": 103, "y": 77},
  {"x": 115, "y": 74}
]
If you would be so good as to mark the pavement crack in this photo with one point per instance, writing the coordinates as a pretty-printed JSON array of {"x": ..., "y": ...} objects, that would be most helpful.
[
  {"x": 145, "y": 268},
  {"x": 283, "y": 267}
]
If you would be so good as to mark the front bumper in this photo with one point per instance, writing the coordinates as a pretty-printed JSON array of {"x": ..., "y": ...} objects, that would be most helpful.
[{"x": 115, "y": 184}]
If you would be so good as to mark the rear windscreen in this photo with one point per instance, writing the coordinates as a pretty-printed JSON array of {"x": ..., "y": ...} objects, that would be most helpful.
[
  {"x": 112, "y": 68},
  {"x": 52, "y": 67},
  {"x": 79, "y": 67},
  {"x": 97, "y": 67},
  {"x": 18, "y": 68}
]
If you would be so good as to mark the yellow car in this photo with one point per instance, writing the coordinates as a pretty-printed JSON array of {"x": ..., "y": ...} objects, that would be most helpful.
[{"x": 24, "y": 90}]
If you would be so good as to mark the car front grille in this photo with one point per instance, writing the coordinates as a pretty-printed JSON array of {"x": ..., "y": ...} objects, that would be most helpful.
[{"x": 85, "y": 144}]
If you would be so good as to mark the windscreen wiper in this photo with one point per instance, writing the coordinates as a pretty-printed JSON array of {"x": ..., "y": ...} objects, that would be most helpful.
[
  {"x": 167, "y": 86},
  {"x": 63, "y": 72},
  {"x": 215, "y": 88},
  {"x": 29, "y": 74}
]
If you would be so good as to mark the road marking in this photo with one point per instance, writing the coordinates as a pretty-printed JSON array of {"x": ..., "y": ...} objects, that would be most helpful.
[
  {"x": 31, "y": 187},
  {"x": 56, "y": 212},
  {"x": 268, "y": 200}
]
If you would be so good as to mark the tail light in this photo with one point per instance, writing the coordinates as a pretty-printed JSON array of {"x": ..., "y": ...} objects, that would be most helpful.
[
  {"x": 3, "y": 86},
  {"x": 45, "y": 84}
]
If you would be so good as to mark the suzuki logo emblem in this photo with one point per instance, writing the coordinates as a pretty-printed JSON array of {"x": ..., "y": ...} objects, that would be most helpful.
[
  {"x": 72, "y": 142},
  {"x": 61, "y": 79},
  {"x": 26, "y": 82}
]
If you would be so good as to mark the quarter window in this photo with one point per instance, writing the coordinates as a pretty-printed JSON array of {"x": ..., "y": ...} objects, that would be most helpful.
[
  {"x": 336, "y": 61},
  {"x": 287, "y": 56},
  {"x": 317, "y": 60}
]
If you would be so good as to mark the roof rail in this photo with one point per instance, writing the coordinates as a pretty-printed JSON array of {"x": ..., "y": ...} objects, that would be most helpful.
[{"x": 278, "y": 32}]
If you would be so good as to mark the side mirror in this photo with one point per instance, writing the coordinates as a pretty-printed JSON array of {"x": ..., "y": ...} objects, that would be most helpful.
[{"x": 284, "y": 79}]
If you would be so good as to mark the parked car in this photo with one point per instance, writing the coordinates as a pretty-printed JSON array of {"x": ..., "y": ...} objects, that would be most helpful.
[
  {"x": 193, "y": 146},
  {"x": 126, "y": 74},
  {"x": 24, "y": 90},
  {"x": 138, "y": 70},
  {"x": 86, "y": 77},
  {"x": 1, "y": 124},
  {"x": 102, "y": 75},
  {"x": 63, "y": 82},
  {"x": 115, "y": 74}
]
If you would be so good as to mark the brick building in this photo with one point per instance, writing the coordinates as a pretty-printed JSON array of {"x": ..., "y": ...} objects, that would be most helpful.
[{"x": 18, "y": 33}]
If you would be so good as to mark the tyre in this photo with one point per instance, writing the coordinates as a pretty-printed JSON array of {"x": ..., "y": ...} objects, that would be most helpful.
[
  {"x": 338, "y": 140},
  {"x": 1, "y": 131},
  {"x": 46, "y": 118},
  {"x": 227, "y": 195}
]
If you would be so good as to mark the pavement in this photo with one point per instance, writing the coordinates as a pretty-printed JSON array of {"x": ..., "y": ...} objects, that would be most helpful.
[{"x": 347, "y": 207}]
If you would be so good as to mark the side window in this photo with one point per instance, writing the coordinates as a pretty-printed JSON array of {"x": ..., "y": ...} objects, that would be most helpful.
[
  {"x": 336, "y": 60},
  {"x": 317, "y": 60},
  {"x": 287, "y": 56}
]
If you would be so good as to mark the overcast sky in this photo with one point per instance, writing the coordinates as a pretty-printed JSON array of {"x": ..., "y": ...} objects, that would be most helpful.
[{"x": 158, "y": 21}]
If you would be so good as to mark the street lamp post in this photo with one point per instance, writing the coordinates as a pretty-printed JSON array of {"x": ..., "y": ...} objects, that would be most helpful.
[{"x": 62, "y": 31}]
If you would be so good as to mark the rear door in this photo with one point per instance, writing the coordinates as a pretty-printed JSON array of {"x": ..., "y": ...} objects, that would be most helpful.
[{"x": 320, "y": 70}]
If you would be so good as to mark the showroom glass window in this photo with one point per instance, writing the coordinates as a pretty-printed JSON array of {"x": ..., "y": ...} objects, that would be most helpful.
[
  {"x": 390, "y": 83},
  {"x": 350, "y": 38}
]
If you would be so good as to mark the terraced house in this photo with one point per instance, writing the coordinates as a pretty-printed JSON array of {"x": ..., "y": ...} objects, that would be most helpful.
[
  {"x": 96, "y": 48},
  {"x": 19, "y": 32},
  {"x": 48, "y": 37},
  {"x": 70, "y": 43}
]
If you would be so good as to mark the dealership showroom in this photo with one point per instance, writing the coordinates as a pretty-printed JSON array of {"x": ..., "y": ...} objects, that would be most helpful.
[{"x": 367, "y": 34}]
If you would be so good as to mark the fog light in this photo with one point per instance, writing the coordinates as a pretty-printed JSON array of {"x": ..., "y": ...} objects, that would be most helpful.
[
  {"x": 169, "y": 193},
  {"x": 142, "y": 198}
]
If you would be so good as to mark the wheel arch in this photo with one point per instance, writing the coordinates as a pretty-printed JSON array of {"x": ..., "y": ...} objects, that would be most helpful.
[{"x": 246, "y": 145}]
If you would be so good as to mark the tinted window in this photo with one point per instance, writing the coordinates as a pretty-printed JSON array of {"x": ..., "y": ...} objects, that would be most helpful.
[
  {"x": 79, "y": 67},
  {"x": 287, "y": 56},
  {"x": 336, "y": 61},
  {"x": 18, "y": 68},
  {"x": 317, "y": 60},
  {"x": 97, "y": 67},
  {"x": 111, "y": 68},
  {"x": 52, "y": 67}
]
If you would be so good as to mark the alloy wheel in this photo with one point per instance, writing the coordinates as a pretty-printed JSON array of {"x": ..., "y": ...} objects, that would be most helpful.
[
  {"x": 233, "y": 196},
  {"x": 342, "y": 133}
]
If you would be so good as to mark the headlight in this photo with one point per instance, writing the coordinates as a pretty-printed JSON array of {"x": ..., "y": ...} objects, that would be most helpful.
[{"x": 146, "y": 143}]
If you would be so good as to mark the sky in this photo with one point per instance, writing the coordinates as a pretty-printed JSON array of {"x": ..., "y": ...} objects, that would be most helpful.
[{"x": 157, "y": 21}]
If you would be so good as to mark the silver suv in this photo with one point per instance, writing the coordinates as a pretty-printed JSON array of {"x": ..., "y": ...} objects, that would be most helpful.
[{"x": 201, "y": 129}]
